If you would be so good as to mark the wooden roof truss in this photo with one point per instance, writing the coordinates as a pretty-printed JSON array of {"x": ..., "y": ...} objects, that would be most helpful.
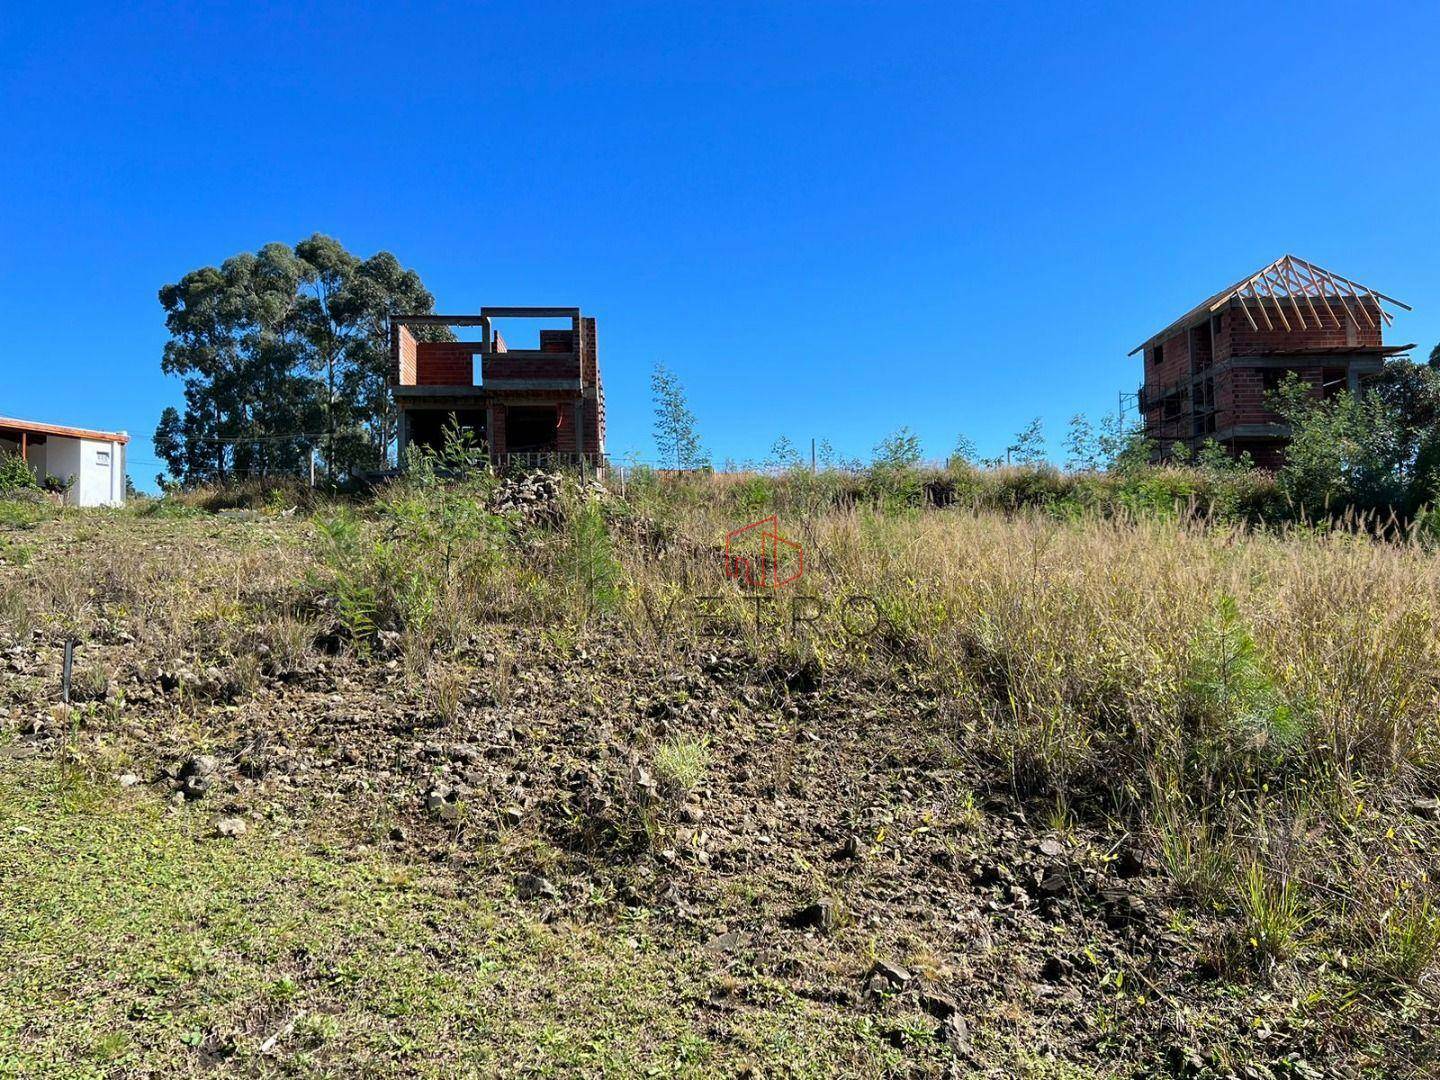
[
  {"x": 1292, "y": 279},
  {"x": 1290, "y": 289}
]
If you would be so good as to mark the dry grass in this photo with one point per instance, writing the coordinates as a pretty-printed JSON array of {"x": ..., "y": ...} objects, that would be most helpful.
[{"x": 1217, "y": 688}]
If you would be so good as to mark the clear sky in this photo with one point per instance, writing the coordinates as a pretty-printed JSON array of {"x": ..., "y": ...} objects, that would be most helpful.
[{"x": 829, "y": 219}]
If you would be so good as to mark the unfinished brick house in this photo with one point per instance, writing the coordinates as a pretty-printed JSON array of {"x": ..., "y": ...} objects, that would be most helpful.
[
  {"x": 537, "y": 406},
  {"x": 1208, "y": 374}
]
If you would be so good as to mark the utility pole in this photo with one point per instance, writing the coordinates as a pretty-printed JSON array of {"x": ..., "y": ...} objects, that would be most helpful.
[
  {"x": 812, "y": 453},
  {"x": 312, "y": 466}
]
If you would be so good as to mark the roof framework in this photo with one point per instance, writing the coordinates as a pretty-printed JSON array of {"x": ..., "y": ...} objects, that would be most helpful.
[{"x": 1300, "y": 294}]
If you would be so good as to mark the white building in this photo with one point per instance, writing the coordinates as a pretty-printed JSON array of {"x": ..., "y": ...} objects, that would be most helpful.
[{"x": 96, "y": 459}]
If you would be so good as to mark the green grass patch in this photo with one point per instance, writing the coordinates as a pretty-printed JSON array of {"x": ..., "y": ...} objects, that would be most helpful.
[{"x": 132, "y": 941}]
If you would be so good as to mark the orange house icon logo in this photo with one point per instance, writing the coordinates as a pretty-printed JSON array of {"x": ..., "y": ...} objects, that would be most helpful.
[{"x": 758, "y": 556}]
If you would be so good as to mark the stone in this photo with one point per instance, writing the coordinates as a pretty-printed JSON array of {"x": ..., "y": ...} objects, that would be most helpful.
[
  {"x": 940, "y": 1006},
  {"x": 852, "y": 848},
  {"x": 129, "y": 779},
  {"x": 894, "y": 974},
  {"x": 230, "y": 826},
  {"x": 732, "y": 941},
  {"x": 821, "y": 915},
  {"x": 1128, "y": 863},
  {"x": 199, "y": 765},
  {"x": 535, "y": 887},
  {"x": 1051, "y": 847},
  {"x": 1121, "y": 907},
  {"x": 1054, "y": 881},
  {"x": 1055, "y": 969},
  {"x": 195, "y": 786},
  {"x": 955, "y": 1033},
  {"x": 512, "y": 816}
]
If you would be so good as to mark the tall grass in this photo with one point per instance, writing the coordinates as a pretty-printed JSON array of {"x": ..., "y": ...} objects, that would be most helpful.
[{"x": 1218, "y": 686}]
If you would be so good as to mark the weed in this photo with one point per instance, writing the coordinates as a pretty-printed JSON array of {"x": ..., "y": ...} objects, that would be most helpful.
[
  {"x": 681, "y": 763},
  {"x": 1407, "y": 941},
  {"x": 1274, "y": 918}
]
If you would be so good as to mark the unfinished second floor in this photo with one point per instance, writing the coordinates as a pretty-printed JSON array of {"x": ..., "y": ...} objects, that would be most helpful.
[{"x": 432, "y": 351}]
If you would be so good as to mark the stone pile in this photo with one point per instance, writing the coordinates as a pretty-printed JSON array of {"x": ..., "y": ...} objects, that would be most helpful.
[{"x": 537, "y": 498}]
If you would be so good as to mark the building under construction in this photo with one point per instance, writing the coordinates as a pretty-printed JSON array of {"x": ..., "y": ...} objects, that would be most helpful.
[
  {"x": 534, "y": 406},
  {"x": 1210, "y": 373}
]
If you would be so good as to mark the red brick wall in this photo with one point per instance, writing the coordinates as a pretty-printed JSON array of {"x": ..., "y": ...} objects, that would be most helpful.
[
  {"x": 1174, "y": 363},
  {"x": 589, "y": 366},
  {"x": 519, "y": 366},
  {"x": 557, "y": 341},
  {"x": 565, "y": 429},
  {"x": 402, "y": 354},
  {"x": 1240, "y": 394},
  {"x": 446, "y": 363},
  {"x": 1247, "y": 341},
  {"x": 497, "y": 429},
  {"x": 594, "y": 410}
]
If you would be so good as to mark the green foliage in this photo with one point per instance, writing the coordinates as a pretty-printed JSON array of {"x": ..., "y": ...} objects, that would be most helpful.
[
  {"x": 283, "y": 350},
  {"x": 1123, "y": 448},
  {"x": 420, "y": 573},
  {"x": 588, "y": 559},
  {"x": 1407, "y": 943},
  {"x": 1274, "y": 917},
  {"x": 676, "y": 437},
  {"x": 56, "y": 485},
  {"x": 1235, "y": 700},
  {"x": 1029, "y": 445},
  {"x": 1082, "y": 447},
  {"x": 898, "y": 450},
  {"x": 1345, "y": 451},
  {"x": 1215, "y": 459},
  {"x": 783, "y": 455},
  {"x": 894, "y": 480},
  {"x": 460, "y": 454},
  {"x": 965, "y": 452},
  {"x": 681, "y": 763},
  {"x": 15, "y": 474}
]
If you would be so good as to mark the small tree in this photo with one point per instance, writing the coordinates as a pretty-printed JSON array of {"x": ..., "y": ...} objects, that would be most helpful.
[
  {"x": 898, "y": 450},
  {"x": 783, "y": 454},
  {"x": 676, "y": 437},
  {"x": 15, "y": 474},
  {"x": 964, "y": 453},
  {"x": 1344, "y": 451},
  {"x": 1029, "y": 445},
  {"x": 1214, "y": 458},
  {"x": 893, "y": 478},
  {"x": 830, "y": 458},
  {"x": 1082, "y": 448},
  {"x": 1123, "y": 448}
]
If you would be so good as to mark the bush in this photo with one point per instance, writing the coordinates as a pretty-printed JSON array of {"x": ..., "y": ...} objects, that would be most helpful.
[{"x": 15, "y": 474}]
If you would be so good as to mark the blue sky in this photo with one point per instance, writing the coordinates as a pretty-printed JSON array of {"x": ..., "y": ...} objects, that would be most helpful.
[{"x": 829, "y": 220}]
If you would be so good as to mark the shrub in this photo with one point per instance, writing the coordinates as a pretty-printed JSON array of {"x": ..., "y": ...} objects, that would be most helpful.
[{"x": 15, "y": 474}]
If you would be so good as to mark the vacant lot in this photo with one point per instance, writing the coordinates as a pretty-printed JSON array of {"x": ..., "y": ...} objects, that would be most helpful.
[{"x": 508, "y": 777}]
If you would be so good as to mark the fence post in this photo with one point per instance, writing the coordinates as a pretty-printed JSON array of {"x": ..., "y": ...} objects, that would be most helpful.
[{"x": 67, "y": 671}]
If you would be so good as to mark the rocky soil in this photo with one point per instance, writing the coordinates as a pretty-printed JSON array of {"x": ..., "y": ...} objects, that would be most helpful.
[{"x": 838, "y": 841}]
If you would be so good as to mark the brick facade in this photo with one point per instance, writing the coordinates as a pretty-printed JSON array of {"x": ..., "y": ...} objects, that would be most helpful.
[
  {"x": 545, "y": 400},
  {"x": 1212, "y": 374},
  {"x": 445, "y": 363}
]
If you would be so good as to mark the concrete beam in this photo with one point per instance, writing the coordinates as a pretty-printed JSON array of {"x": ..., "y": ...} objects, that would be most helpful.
[{"x": 530, "y": 312}]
